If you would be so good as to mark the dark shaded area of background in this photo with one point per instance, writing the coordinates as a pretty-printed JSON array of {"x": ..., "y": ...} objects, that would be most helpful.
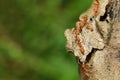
[{"x": 32, "y": 42}]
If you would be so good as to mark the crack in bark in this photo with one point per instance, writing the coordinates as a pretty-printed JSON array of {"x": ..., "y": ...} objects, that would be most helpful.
[
  {"x": 103, "y": 18},
  {"x": 89, "y": 56}
]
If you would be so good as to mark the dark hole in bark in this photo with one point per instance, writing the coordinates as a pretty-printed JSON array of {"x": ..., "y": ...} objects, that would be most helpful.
[
  {"x": 103, "y": 18},
  {"x": 108, "y": 10},
  {"x": 91, "y": 54},
  {"x": 91, "y": 19}
]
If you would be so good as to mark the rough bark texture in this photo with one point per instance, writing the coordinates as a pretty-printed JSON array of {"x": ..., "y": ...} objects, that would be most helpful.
[{"x": 102, "y": 45}]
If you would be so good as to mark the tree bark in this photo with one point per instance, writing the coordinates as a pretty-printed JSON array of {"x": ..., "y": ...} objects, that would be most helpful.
[{"x": 99, "y": 48}]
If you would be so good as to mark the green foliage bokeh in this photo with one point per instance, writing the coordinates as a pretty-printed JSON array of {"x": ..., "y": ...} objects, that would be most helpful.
[{"x": 32, "y": 42}]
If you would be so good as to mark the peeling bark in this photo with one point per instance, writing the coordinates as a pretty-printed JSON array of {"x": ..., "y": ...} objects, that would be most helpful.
[{"x": 102, "y": 45}]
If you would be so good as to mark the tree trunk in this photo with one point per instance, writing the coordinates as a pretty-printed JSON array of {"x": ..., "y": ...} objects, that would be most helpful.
[{"x": 96, "y": 41}]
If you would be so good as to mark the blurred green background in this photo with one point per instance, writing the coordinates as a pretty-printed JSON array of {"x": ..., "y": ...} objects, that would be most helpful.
[{"x": 32, "y": 42}]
